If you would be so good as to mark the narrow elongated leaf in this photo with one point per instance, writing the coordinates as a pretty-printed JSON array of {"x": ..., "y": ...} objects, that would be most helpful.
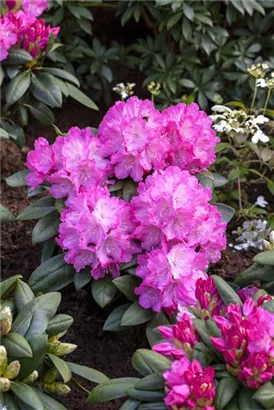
[
  {"x": 227, "y": 294},
  {"x": 17, "y": 87},
  {"x": 5, "y": 214},
  {"x": 42, "y": 113},
  {"x": 6, "y": 286},
  {"x": 79, "y": 96},
  {"x": 4, "y": 135},
  {"x": 18, "y": 56},
  {"x": 16, "y": 345},
  {"x": 26, "y": 395},
  {"x": 225, "y": 392},
  {"x": 38, "y": 346},
  {"x": 87, "y": 373},
  {"x": 58, "y": 324},
  {"x": 157, "y": 405},
  {"x": 61, "y": 366},
  {"x": 147, "y": 362},
  {"x": 54, "y": 274},
  {"x": 48, "y": 402},
  {"x": 48, "y": 250},
  {"x": 46, "y": 227},
  {"x": 38, "y": 209},
  {"x": 103, "y": 291},
  {"x": 151, "y": 382},
  {"x": 36, "y": 315},
  {"x": 130, "y": 404},
  {"x": 145, "y": 395},
  {"x": 254, "y": 272},
  {"x": 136, "y": 315},
  {"x": 114, "y": 389},
  {"x": 65, "y": 75},
  {"x": 113, "y": 322},
  {"x": 158, "y": 320},
  {"x": 18, "y": 179},
  {"x": 23, "y": 295},
  {"x": 45, "y": 90}
]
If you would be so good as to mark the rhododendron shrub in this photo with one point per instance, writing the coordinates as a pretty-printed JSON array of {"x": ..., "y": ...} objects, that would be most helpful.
[
  {"x": 26, "y": 44},
  {"x": 163, "y": 217},
  {"x": 206, "y": 361}
]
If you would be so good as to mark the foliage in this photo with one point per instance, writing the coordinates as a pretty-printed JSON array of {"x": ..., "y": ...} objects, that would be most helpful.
[{"x": 31, "y": 351}]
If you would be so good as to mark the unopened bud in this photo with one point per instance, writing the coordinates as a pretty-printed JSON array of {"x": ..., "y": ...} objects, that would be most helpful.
[
  {"x": 31, "y": 378},
  {"x": 58, "y": 388},
  {"x": 12, "y": 370},
  {"x": 5, "y": 324},
  {"x": 51, "y": 375},
  {"x": 268, "y": 246},
  {"x": 271, "y": 237},
  {"x": 61, "y": 349},
  {"x": 3, "y": 360},
  {"x": 4, "y": 384}
]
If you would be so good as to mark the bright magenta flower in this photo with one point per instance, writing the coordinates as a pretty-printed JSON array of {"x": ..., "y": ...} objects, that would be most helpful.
[
  {"x": 34, "y": 7},
  {"x": 8, "y": 36}
]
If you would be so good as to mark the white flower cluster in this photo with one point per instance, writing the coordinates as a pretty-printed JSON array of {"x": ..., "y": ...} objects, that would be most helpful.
[
  {"x": 238, "y": 122},
  {"x": 252, "y": 234},
  {"x": 266, "y": 82},
  {"x": 124, "y": 90}
]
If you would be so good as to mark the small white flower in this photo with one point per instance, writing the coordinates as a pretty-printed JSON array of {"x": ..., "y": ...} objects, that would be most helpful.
[
  {"x": 260, "y": 82},
  {"x": 271, "y": 237},
  {"x": 220, "y": 108},
  {"x": 260, "y": 201},
  {"x": 259, "y": 136},
  {"x": 222, "y": 126},
  {"x": 261, "y": 119}
]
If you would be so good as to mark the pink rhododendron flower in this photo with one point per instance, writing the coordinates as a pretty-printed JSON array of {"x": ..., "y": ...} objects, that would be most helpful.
[
  {"x": 208, "y": 301},
  {"x": 247, "y": 342},
  {"x": 192, "y": 140},
  {"x": 39, "y": 162},
  {"x": 180, "y": 339},
  {"x": 8, "y": 36},
  {"x": 34, "y": 7},
  {"x": 189, "y": 386}
]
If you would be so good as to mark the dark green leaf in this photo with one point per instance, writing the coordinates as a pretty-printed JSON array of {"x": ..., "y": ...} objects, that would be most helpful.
[
  {"x": 58, "y": 324},
  {"x": 18, "y": 179},
  {"x": 103, "y": 291},
  {"x": 265, "y": 258},
  {"x": 44, "y": 89},
  {"x": 7, "y": 285},
  {"x": 17, "y": 87},
  {"x": 16, "y": 345},
  {"x": 48, "y": 402},
  {"x": 81, "y": 279},
  {"x": 38, "y": 345},
  {"x": 18, "y": 56},
  {"x": 254, "y": 272},
  {"x": 46, "y": 228},
  {"x": 48, "y": 250},
  {"x": 114, "y": 389},
  {"x": 145, "y": 395},
  {"x": 38, "y": 209},
  {"x": 265, "y": 395},
  {"x": 26, "y": 395},
  {"x": 129, "y": 190},
  {"x": 5, "y": 214},
  {"x": 130, "y": 405},
  {"x": 227, "y": 294},
  {"x": 42, "y": 113},
  {"x": 4, "y": 135},
  {"x": 151, "y": 382},
  {"x": 61, "y": 366},
  {"x": 136, "y": 315},
  {"x": 157, "y": 405},
  {"x": 226, "y": 211},
  {"x": 225, "y": 391},
  {"x": 88, "y": 373},
  {"x": 158, "y": 320},
  {"x": 23, "y": 294},
  {"x": 246, "y": 402},
  {"x": 147, "y": 362},
  {"x": 65, "y": 75},
  {"x": 126, "y": 284},
  {"x": 113, "y": 322},
  {"x": 81, "y": 97}
]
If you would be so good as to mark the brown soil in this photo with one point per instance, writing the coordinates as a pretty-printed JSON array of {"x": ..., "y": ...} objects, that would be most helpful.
[{"x": 107, "y": 352}]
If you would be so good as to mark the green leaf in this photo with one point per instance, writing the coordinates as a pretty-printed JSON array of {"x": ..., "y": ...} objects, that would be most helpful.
[
  {"x": 226, "y": 211},
  {"x": 157, "y": 405},
  {"x": 36, "y": 315},
  {"x": 151, "y": 382},
  {"x": 58, "y": 324},
  {"x": 227, "y": 294},
  {"x": 48, "y": 402},
  {"x": 45, "y": 90},
  {"x": 38, "y": 346},
  {"x": 61, "y": 366},
  {"x": 174, "y": 19},
  {"x": 16, "y": 345},
  {"x": 18, "y": 56},
  {"x": 113, "y": 322},
  {"x": 37, "y": 209},
  {"x": 42, "y": 113},
  {"x": 17, "y": 87},
  {"x": 130, "y": 405},
  {"x": 53, "y": 274},
  {"x": 5, "y": 214},
  {"x": 6, "y": 286},
  {"x": 23, "y": 295},
  {"x": 12, "y": 71},
  {"x": 4, "y": 135},
  {"x": 145, "y": 395},
  {"x": 46, "y": 227},
  {"x": 126, "y": 284},
  {"x": 88, "y": 373},
  {"x": 2, "y": 75},
  {"x": 269, "y": 306},
  {"x": 246, "y": 401},
  {"x": 65, "y": 75},
  {"x": 219, "y": 180},
  {"x": 114, "y": 389},
  {"x": 9, "y": 402},
  {"x": 187, "y": 83},
  {"x": 103, "y": 291},
  {"x": 81, "y": 97},
  {"x": 206, "y": 179},
  {"x": 221, "y": 146},
  {"x": 136, "y": 315},
  {"x": 158, "y": 320},
  {"x": 81, "y": 279},
  {"x": 18, "y": 179},
  {"x": 265, "y": 395},
  {"x": 147, "y": 362},
  {"x": 107, "y": 73},
  {"x": 188, "y": 11},
  {"x": 254, "y": 272},
  {"x": 265, "y": 258},
  {"x": 26, "y": 395},
  {"x": 225, "y": 391},
  {"x": 203, "y": 331}
]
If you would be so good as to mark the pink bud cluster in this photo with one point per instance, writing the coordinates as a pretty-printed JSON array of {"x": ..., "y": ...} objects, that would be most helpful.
[
  {"x": 33, "y": 8},
  {"x": 23, "y": 30},
  {"x": 180, "y": 339},
  {"x": 189, "y": 386},
  {"x": 170, "y": 221},
  {"x": 247, "y": 342}
]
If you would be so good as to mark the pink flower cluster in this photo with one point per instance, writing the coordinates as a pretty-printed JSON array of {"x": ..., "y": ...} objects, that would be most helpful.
[
  {"x": 33, "y": 7},
  {"x": 180, "y": 339},
  {"x": 180, "y": 233},
  {"x": 247, "y": 342},
  {"x": 170, "y": 220},
  {"x": 23, "y": 30},
  {"x": 138, "y": 138},
  {"x": 189, "y": 386}
]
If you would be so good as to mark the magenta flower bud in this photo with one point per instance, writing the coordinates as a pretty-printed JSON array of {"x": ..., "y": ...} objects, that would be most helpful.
[{"x": 10, "y": 4}]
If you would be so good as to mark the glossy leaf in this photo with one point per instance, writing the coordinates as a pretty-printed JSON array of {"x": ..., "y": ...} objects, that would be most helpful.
[
  {"x": 23, "y": 294},
  {"x": 37, "y": 209},
  {"x": 113, "y": 322},
  {"x": 87, "y": 373},
  {"x": 42, "y": 113},
  {"x": 136, "y": 315},
  {"x": 44, "y": 89},
  {"x": 225, "y": 391},
  {"x": 61, "y": 366},
  {"x": 38, "y": 346},
  {"x": 7, "y": 285},
  {"x": 147, "y": 362},
  {"x": 227, "y": 294},
  {"x": 114, "y": 389},
  {"x": 79, "y": 96},
  {"x": 26, "y": 395},
  {"x": 5, "y": 214},
  {"x": 103, "y": 291},
  {"x": 16, "y": 345},
  {"x": 58, "y": 324},
  {"x": 17, "y": 87},
  {"x": 18, "y": 179},
  {"x": 46, "y": 228}
]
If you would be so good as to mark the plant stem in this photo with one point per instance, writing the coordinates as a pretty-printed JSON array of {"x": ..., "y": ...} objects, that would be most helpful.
[
  {"x": 239, "y": 193},
  {"x": 267, "y": 100},
  {"x": 254, "y": 97},
  {"x": 79, "y": 386}
]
